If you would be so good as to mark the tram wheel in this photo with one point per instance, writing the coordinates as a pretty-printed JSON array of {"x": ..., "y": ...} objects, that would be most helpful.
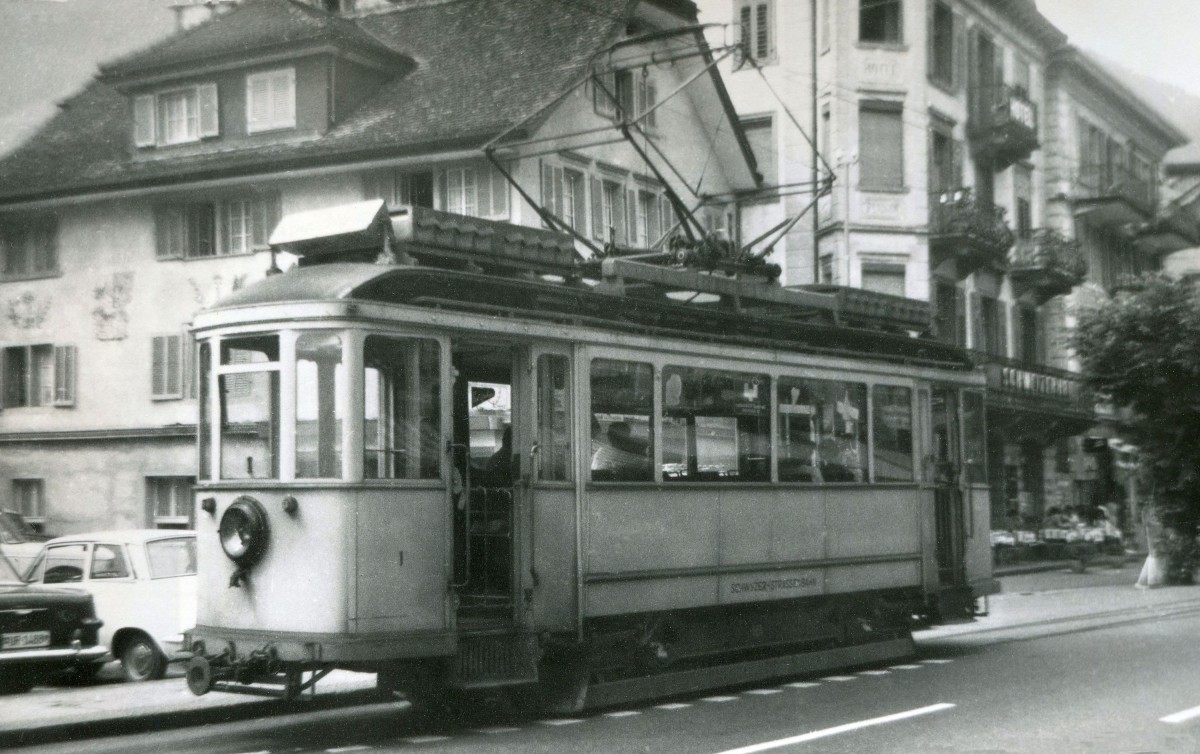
[{"x": 563, "y": 685}]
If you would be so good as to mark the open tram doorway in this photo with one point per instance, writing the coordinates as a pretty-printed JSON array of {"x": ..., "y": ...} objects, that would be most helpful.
[{"x": 485, "y": 430}]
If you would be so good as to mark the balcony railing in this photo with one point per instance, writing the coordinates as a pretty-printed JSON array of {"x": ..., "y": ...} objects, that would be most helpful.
[
  {"x": 1046, "y": 264},
  {"x": 1117, "y": 196},
  {"x": 1004, "y": 124},
  {"x": 962, "y": 227}
]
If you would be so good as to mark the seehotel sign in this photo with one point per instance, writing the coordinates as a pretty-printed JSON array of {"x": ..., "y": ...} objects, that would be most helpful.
[{"x": 1032, "y": 384}]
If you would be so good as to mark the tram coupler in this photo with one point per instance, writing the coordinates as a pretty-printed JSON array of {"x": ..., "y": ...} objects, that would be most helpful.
[{"x": 227, "y": 671}]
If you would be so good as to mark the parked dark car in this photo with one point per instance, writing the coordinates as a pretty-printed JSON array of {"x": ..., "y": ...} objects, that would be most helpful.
[{"x": 43, "y": 631}]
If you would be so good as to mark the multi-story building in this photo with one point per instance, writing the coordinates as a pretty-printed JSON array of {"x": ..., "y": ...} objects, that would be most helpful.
[
  {"x": 977, "y": 162},
  {"x": 152, "y": 194}
]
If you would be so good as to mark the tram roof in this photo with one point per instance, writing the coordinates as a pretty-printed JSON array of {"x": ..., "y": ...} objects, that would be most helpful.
[{"x": 535, "y": 299}]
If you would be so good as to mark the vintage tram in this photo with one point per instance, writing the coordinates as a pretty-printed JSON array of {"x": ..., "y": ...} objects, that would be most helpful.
[{"x": 448, "y": 451}]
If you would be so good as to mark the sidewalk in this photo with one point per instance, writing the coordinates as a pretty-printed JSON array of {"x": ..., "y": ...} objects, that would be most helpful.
[{"x": 112, "y": 707}]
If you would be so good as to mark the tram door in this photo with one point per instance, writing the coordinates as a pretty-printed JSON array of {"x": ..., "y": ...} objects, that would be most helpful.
[
  {"x": 949, "y": 522},
  {"x": 486, "y": 430}
]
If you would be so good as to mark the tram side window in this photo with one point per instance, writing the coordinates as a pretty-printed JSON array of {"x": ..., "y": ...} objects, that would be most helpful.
[
  {"x": 250, "y": 408},
  {"x": 622, "y": 435},
  {"x": 822, "y": 431},
  {"x": 892, "y": 416},
  {"x": 402, "y": 408},
  {"x": 716, "y": 425},
  {"x": 320, "y": 383}
]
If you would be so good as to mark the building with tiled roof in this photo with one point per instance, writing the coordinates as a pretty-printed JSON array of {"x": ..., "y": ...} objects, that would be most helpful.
[{"x": 152, "y": 192}]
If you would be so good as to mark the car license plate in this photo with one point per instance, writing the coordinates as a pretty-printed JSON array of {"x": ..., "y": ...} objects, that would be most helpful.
[{"x": 25, "y": 639}]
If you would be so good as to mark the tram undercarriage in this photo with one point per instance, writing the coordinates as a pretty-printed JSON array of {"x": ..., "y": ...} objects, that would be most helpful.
[{"x": 621, "y": 659}]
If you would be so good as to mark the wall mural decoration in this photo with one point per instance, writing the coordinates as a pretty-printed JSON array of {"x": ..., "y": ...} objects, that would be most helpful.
[
  {"x": 27, "y": 311},
  {"x": 111, "y": 314},
  {"x": 208, "y": 292}
]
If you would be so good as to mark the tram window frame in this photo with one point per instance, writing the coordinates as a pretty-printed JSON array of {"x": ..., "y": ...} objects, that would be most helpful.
[
  {"x": 829, "y": 450},
  {"x": 554, "y": 425},
  {"x": 700, "y": 402},
  {"x": 381, "y": 441},
  {"x": 242, "y": 374},
  {"x": 900, "y": 448},
  {"x": 621, "y": 403}
]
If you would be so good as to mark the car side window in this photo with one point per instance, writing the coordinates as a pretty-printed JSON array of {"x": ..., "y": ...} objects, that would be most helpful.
[
  {"x": 108, "y": 562},
  {"x": 62, "y": 564}
]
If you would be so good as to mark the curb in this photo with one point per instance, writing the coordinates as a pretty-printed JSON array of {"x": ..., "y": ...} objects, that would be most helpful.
[
  {"x": 1110, "y": 561},
  {"x": 156, "y": 720}
]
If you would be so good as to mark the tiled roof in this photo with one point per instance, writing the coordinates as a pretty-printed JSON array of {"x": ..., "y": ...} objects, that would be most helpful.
[
  {"x": 482, "y": 66},
  {"x": 250, "y": 27}
]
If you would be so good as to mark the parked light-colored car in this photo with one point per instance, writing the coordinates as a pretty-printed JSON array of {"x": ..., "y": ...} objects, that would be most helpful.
[{"x": 144, "y": 586}]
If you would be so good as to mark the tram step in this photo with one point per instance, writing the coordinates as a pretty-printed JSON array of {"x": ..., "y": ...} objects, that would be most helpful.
[{"x": 496, "y": 660}]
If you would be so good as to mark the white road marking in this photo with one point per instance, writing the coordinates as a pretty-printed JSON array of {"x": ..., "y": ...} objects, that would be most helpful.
[
  {"x": 839, "y": 729},
  {"x": 838, "y": 678},
  {"x": 497, "y": 730},
  {"x": 873, "y": 672},
  {"x": 264, "y": 751},
  {"x": 674, "y": 706},
  {"x": 719, "y": 699},
  {"x": 936, "y": 662},
  {"x": 622, "y": 713},
  {"x": 426, "y": 739},
  {"x": 1181, "y": 717},
  {"x": 802, "y": 685},
  {"x": 555, "y": 721},
  {"x": 904, "y": 667},
  {"x": 340, "y": 749},
  {"x": 763, "y": 692}
]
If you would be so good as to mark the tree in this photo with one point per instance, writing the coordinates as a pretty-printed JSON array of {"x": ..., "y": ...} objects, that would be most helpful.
[{"x": 1141, "y": 348}]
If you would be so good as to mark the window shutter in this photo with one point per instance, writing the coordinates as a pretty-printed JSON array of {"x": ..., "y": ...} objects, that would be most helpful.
[
  {"x": 1005, "y": 314},
  {"x": 283, "y": 98},
  {"x": 210, "y": 121},
  {"x": 258, "y": 111},
  {"x": 143, "y": 120},
  {"x": 631, "y": 225},
  {"x": 547, "y": 188},
  {"x": 619, "y": 215},
  {"x": 168, "y": 230},
  {"x": 960, "y": 52},
  {"x": 762, "y": 31},
  {"x": 744, "y": 20},
  {"x": 556, "y": 183},
  {"x": 499, "y": 193},
  {"x": 668, "y": 214},
  {"x": 604, "y": 93},
  {"x": 960, "y": 318},
  {"x": 931, "y": 39},
  {"x": 956, "y": 164},
  {"x": 651, "y": 101},
  {"x": 158, "y": 370},
  {"x": 470, "y": 177},
  {"x": 881, "y": 161},
  {"x": 978, "y": 336},
  {"x": 597, "y": 210},
  {"x": 188, "y": 369},
  {"x": 64, "y": 375}
]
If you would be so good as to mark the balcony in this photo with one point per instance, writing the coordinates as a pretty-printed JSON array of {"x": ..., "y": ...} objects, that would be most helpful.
[
  {"x": 1171, "y": 231},
  {"x": 1045, "y": 265},
  {"x": 1111, "y": 196},
  {"x": 964, "y": 229},
  {"x": 1024, "y": 398},
  {"x": 1003, "y": 125}
]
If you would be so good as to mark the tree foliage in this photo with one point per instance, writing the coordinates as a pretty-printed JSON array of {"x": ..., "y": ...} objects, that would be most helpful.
[{"x": 1141, "y": 348}]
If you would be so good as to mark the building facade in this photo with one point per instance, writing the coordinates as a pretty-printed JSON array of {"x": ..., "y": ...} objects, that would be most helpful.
[
  {"x": 962, "y": 153},
  {"x": 153, "y": 192}
]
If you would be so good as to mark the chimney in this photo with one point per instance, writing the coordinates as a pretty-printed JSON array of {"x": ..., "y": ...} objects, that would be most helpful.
[{"x": 189, "y": 13}]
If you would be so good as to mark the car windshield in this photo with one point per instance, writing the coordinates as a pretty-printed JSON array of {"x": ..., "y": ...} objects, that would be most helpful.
[
  {"x": 172, "y": 557},
  {"x": 8, "y": 573}
]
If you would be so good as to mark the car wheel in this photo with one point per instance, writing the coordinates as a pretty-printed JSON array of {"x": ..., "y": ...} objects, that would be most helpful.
[{"x": 141, "y": 660}]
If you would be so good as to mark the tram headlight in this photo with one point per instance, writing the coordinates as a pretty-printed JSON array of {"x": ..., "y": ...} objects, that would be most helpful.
[{"x": 243, "y": 531}]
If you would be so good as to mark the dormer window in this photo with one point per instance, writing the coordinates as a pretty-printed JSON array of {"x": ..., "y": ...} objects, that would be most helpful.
[
  {"x": 271, "y": 100},
  {"x": 175, "y": 116}
]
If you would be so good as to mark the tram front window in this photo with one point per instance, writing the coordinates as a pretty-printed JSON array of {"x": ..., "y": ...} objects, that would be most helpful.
[
  {"x": 249, "y": 392},
  {"x": 320, "y": 382},
  {"x": 402, "y": 411}
]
